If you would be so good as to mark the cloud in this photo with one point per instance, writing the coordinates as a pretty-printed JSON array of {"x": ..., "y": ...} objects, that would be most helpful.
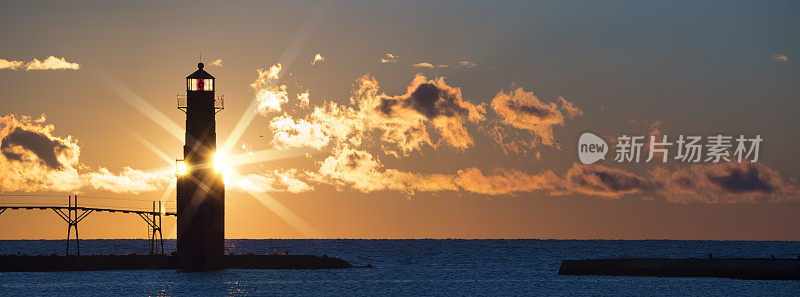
[
  {"x": 317, "y": 58},
  {"x": 572, "y": 110},
  {"x": 523, "y": 110},
  {"x": 12, "y": 65},
  {"x": 403, "y": 118},
  {"x": 303, "y": 98},
  {"x": 505, "y": 181},
  {"x": 467, "y": 64},
  {"x": 431, "y": 112},
  {"x": 388, "y": 58},
  {"x": 289, "y": 134},
  {"x": 33, "y": 159},
  {"x": 50, "y": 63},
  {"x": 726, "y": 183},
  {"x": 709, "y": 184},
  {"x": 422, "y": 65},
  {"x": 431, "y": 98},
  {"x": 359, "y": 170},
  {"x": 780, "y": 58},
  {"x": 43, "y": 147},
  {"x": 341, "y": 123},
  {"x": 266, "y": 76},
  {"x": 217, "y": 62},
  {"x": 356, "y": 168},
  {"x": 274, "y": 181},
  {"x": 402, "y": 121},
  {"x": 713, "y": 183},
  {"x": 598, "y": 180},
  {"x": 270, "y": 99},
  {"x": 130, "y": 180},
  {"x": 511, "y": 140},
  {"x": 269, "y": 95}
]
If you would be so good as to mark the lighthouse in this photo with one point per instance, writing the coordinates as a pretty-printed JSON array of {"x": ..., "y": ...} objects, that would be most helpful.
[{"x": 200, "y": 188}]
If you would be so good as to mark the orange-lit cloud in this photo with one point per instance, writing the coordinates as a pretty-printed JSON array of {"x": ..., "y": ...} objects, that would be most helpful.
[
  {"x": 402, "y": 121},
  {"x": 50, "y": 63},
  {"x": 507, "y": 181},
  {"x": 388, "y": 58},
  {"x": 598, "y": 180},
  {"x": 780, "y": 58},
  {"x": 317, "y": 58},
  {"x": 434, "y": 114},
  {"x": 301, "y": 133},
  {"x": 403, "y": 118},
  {"x": 217, "y": 63},
  {"x": 523, "y": 110},
  {"x": 128, "y": 181},
  {"x": 270, "y": 99},
  {"x": 33, "y": 159},
  {"x": 303, "y": 98},
  {"x": 572, "y": 110},
  {"x": 467, "y": 64},
  {"x": 12, "y": 65},
  {"x": 266, "y": 75},
  {"x": 511, "y": 140},
  {"x": 709, "y": 183},
  {"x": 269, "y": 95},
  {"x": 361, "y": 171},
  {"x": 422, "y": 65},
  {"x": 726, "y": 183}
]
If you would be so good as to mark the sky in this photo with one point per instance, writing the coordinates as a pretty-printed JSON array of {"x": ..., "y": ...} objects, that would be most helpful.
[{"x": 413, "y": 119}]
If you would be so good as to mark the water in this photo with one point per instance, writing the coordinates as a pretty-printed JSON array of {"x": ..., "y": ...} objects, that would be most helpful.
[{"x": 407, "y": 268}]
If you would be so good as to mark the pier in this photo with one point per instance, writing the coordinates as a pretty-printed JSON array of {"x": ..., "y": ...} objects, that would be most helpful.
[
  {"x": 15, "y": 263},
  {"x": 72, "y": 214},
  {"x": 738, "y": 268}
]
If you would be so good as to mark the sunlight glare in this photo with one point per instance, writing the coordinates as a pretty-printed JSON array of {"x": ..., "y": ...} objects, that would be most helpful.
[{"x": 180, "y": 167}]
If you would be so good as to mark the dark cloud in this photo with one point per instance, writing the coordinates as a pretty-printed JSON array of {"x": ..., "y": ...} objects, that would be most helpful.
[
  {"x": 429, "y": 100},
  {"x": 404, "y": 119},
  {"x": 33, "y": 159},
  {"x": 742, "y": 180},
  {"x": 539, "y": 110},
  {"x": 603, "y": 181},
  {"x": 43, "y": 147},
  {"x": 731, "y": 182}
]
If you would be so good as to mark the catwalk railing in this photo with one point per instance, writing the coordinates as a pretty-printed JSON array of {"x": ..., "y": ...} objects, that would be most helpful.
[
  {"x": 219, "y": 103},
  {"x": 73, "y": 214}
]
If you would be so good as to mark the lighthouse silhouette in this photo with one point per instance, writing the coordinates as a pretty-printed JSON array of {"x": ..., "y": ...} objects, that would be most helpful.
[{"x": 200, "y": 188}]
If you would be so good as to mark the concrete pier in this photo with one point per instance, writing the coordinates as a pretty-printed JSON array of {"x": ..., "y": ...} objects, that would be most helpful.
[
  {"x": 17, "y": 263},
  {"x": 739, "y": 268}
]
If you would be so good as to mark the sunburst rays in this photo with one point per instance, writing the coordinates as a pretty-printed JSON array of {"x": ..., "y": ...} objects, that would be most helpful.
[{"x": 289, "y": 55}]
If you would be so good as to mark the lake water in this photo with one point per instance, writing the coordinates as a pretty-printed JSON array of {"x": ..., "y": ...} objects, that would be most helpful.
[{"x": 406, "y": 268}]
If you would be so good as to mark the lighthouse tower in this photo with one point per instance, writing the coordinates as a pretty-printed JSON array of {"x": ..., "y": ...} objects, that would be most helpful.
[{"x": 200, "y": 188}]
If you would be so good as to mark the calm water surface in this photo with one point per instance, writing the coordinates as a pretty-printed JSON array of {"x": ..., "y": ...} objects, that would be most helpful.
[{"x": 407, "y": 268}]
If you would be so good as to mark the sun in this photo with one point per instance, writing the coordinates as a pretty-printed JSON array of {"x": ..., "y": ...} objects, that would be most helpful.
[{"x": 223, "y": 165}]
